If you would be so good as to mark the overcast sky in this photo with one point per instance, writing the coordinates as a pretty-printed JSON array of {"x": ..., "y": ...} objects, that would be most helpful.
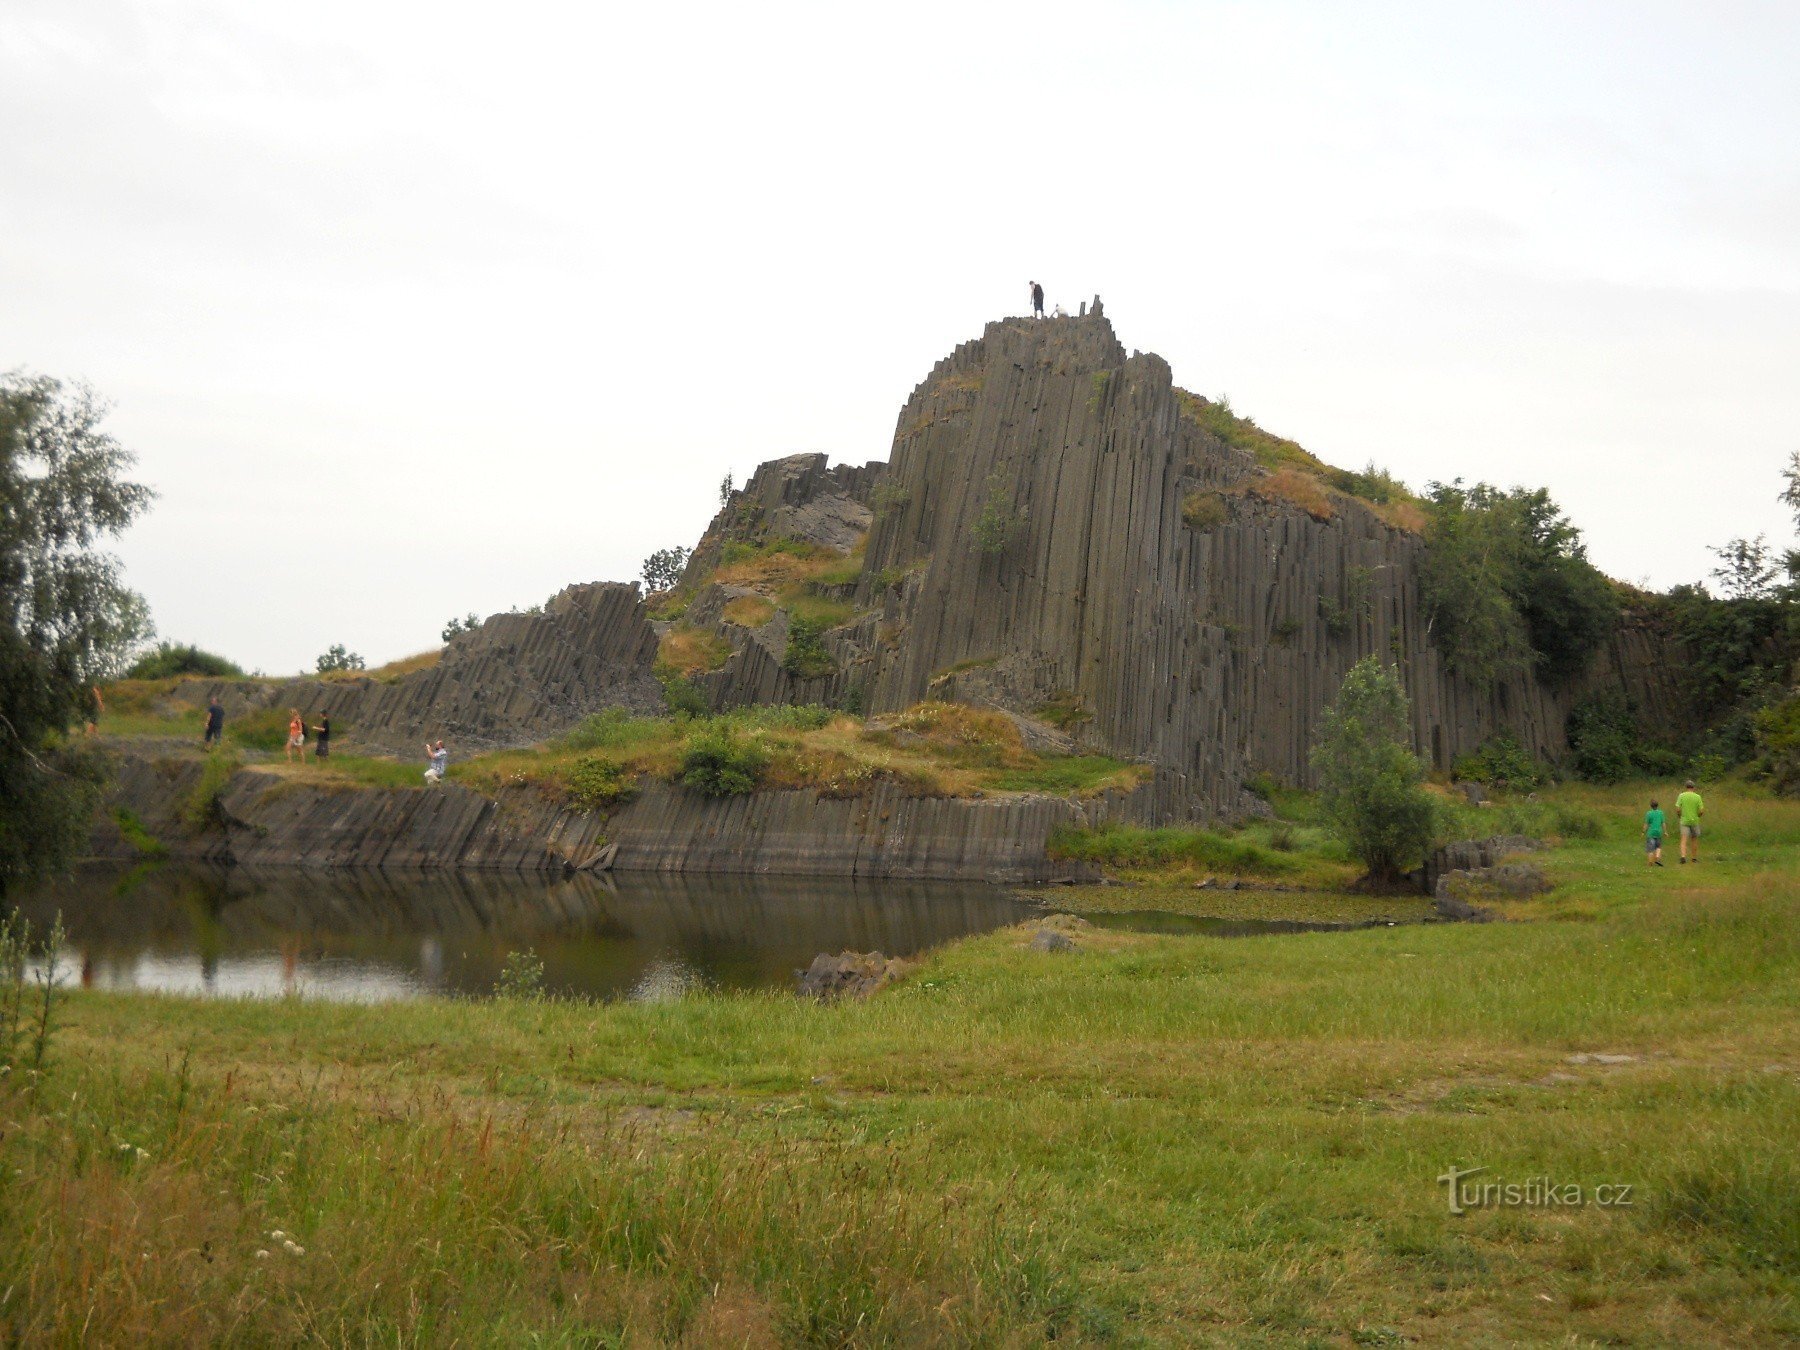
[{"x": 412, "y": 310}]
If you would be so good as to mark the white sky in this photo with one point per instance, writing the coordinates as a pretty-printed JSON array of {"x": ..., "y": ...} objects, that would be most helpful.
[{"x": 412, "y": 310}]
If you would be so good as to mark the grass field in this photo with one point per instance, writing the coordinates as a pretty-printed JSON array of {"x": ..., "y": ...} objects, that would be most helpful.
[{"x": 1146, "y": 1140}]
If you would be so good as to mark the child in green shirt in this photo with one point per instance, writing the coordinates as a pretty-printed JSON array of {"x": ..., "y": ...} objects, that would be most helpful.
[{"x": 1653, "y": 833}]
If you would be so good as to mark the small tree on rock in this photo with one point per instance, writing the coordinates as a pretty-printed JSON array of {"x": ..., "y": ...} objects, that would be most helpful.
[
  {"x": 1369, "y": 778},
  {"x": 337, "y": 657},
  {"x": 662, "y": 569}
]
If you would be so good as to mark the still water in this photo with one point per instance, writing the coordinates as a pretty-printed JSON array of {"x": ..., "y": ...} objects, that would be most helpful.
[{"x": 373, "y": 936}]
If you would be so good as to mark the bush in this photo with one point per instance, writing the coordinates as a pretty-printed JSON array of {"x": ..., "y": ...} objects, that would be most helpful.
[
  {"x": 683, "y": 696},
  {"x": 455, "y": 627},
  {"x": 1502, "y": 762},
  {"x": 264, "y": 729},
  {"x": 202, "y": 806},
  {"x": 999, "y": 523},
  {"x": 169, "y": 659},
  {"x": 1778, "y": 741},
  {"x": 806, "y": 655},
  {"x": 1606, "y": 746},
  {"x": 613, "y": 729},
  {"x": 336, "y": 658},
  {"x": 717, "y": 763},
  {"x": 1203, "y": 511},
  {"x": 1371, "y": 789},
  {"x": 596, "y": 783}
]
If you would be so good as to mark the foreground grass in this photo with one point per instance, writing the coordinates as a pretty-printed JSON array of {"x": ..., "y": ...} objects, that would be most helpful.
[{"x": 1146, "y": 1140}]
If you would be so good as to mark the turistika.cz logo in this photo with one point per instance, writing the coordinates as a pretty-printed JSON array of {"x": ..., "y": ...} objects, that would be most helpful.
[{"x": 1532, "y": 1193}]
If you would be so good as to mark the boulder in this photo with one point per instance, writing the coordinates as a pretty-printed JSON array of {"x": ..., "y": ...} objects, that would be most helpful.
[{"x": 847, "y": 975}]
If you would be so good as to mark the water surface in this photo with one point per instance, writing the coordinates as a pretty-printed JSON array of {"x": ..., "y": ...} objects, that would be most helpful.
[{"x": 373, "y": 936}]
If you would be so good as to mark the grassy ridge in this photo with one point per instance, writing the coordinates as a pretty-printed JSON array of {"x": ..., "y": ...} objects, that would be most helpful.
[{"x": 1150, "y": 1139}]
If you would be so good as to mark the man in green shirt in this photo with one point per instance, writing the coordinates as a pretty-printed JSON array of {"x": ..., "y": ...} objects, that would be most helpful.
[
  {"x": 1653, "y": 833},
  {"x": 1688, "y": 810}
]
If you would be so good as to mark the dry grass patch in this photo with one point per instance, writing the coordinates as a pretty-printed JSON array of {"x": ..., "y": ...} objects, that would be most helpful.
[
  {"x": 1295, "y": 486},
  {"x": 1405, "y": 515},
  {"x": 748, "y": 611},
  {"x": 692, "y": 651}
]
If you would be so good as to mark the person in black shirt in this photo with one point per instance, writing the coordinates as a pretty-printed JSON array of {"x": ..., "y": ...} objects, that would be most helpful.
[
  {"x": 322, "y": 747},
  {"x": 1037, "y": 300},
  {"x": 215, "y": 721}
]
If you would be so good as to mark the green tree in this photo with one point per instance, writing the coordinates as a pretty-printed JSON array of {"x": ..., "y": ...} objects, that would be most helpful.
[
  {"x": 169, "y": 659},
  {"x": 662, "y": 569},
  {"x": 67, "y": 621},
  {"x": 1370, "y": 781},
  {"x": 1507, "y": 585},
  {"x": 338, "y": 657}
]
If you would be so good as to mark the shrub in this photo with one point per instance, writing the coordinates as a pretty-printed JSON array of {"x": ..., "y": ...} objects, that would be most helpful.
[
  {"x": 336, "y": 658},
  {"x": 1371, "y": 790},
  {"x": 169, "y": 659},
  {"x": 522, "y": 977},
  {"x": 614, "y": 729},
  {"x": 718, "y": 763},
  {"x": 683, "y": 696},
  {"x": 202, "y": 806},
  {"x": 455, "y": 626},
  {"x": 1203, "y": 511},
  {"x": 1000, "y": 522},
  {"x": 596, "y": 783},
  {"x": 806, "y": 656},
  {"x": 1502, "y": 762},
  {"x": 1605, "y": 745}
]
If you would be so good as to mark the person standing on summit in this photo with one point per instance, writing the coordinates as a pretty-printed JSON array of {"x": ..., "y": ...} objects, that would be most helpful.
[{"x": 1037, "y": 300}]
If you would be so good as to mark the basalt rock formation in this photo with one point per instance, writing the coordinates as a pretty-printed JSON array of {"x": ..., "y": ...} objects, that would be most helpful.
[
  {"x": 1057, "y": 534},
  {"x": 513, "y": 680}
]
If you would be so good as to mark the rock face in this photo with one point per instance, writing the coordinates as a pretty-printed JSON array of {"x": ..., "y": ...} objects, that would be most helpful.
[
  {"x": 267, "y": 820},
  {"x": 1029, "y": 550},
  {"x": 514, "y": 680}
]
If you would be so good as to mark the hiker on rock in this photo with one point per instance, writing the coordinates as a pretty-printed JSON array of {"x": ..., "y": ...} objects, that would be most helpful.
[
  {"x": 215, "y": 722},
  {"x": 322, "y": 747},
  {"x": 438, "y": 759},
  {"x": 1037, "y": 300},
  {"x": 296, "y": 742}
]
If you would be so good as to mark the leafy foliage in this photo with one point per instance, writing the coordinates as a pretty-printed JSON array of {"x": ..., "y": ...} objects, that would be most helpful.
[
  {"x": 1747, "y": 569},
  {"x": 1000, "y": 522},
  {"x": 169, "y": 659},
  {"x": 1370, "y": 781},
  {"x": 67, "y": 621},
  {"x": 336, "y": 658},
  {"x": 718, "y": 763},
  {"x": 596, "y": 782},
  {"x": 806, "y": 655},
  {"x": 467, "y": 624},
  {"x": 1778, "y": 741},
  {"x": 662, "y": 569},
  {"x": 1606, "y": 743},
  {"x": 1502, "y": 762},
  {"x": 1507, "y": 585}
]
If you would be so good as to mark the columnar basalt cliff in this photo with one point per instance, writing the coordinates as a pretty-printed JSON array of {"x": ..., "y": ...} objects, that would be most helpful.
[
  {"x": 1057, "y": 535},
  {"x": 1029, "y": 549}
]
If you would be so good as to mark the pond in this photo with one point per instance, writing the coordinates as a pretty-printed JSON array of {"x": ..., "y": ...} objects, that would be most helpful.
[{"x": 373, "y": 936}]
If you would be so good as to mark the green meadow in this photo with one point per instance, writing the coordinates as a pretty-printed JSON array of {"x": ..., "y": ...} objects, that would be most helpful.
[{"x": 1144, "y": 1140}]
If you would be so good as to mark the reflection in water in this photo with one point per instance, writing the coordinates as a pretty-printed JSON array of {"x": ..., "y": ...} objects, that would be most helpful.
[{"x": 375, "y": 936}]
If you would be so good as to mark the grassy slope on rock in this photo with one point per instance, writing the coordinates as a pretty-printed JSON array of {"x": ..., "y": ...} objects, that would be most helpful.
[{"x": 1151, "y": 1139}]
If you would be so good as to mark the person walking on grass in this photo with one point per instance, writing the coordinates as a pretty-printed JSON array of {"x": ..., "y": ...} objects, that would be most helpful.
[
  {"x": 1688, "y": 809},
  {"x": 1037, "y": 300},
  {"x": 296, "y": 743},
  {"x": 322, "y": 747},
  {"x": 439, "y": 763},
  {"x": 215, "y": 722},
  {"x": 1653, "y": 833}
]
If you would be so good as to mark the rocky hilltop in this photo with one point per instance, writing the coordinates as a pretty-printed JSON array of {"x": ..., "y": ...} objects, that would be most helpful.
[{"x": 1057, "y": 534}]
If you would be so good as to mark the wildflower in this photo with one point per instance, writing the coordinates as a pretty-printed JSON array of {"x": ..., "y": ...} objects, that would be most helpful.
[
  {"x": 262, "y": 1254},
  {"x": 294, "y": 1248},
  {"x": 278, "y": 1235}
]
